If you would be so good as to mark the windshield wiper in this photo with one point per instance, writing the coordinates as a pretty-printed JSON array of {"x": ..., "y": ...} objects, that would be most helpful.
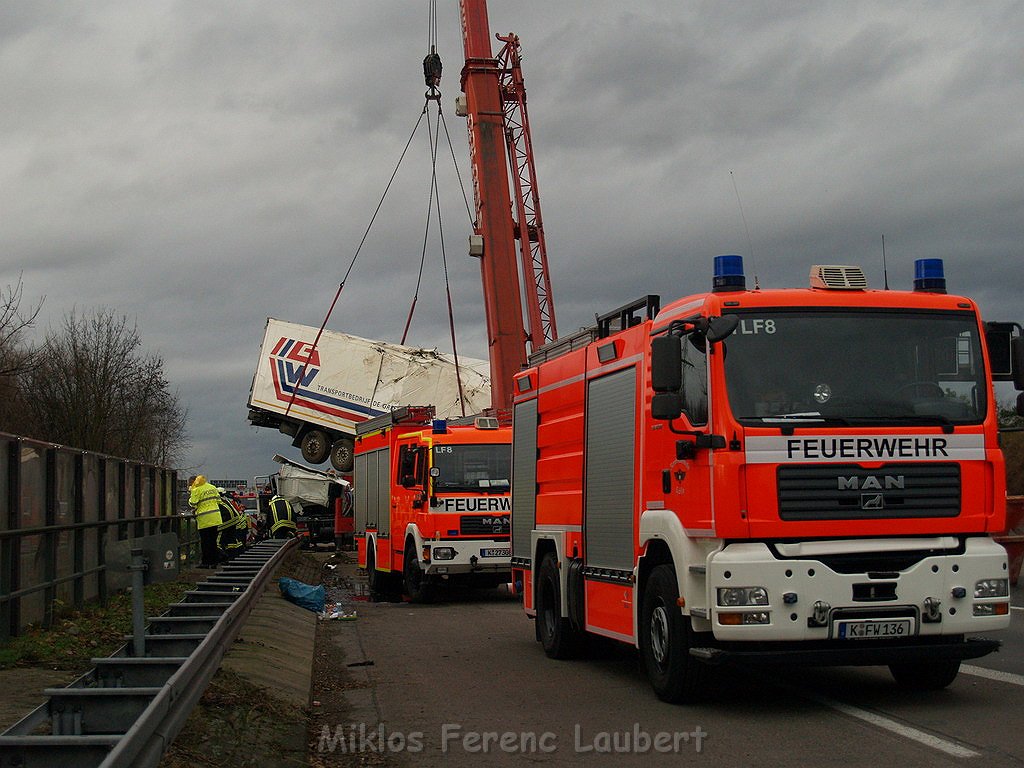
[{"x": 790, "y": 417}]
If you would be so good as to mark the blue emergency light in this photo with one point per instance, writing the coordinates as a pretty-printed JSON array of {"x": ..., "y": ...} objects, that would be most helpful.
[
  {"x": 440, "y": 426},
  {"x": 729, "y": 274},
  {"x": 929, "y": 276}
]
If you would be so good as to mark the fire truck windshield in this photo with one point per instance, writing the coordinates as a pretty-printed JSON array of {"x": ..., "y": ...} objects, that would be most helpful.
[
  {"x": 480, "y": 468},
  {"x": 856, "y": 366}
]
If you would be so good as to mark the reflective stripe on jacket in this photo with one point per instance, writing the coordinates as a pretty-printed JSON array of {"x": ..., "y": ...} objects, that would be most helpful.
[
  {"x": 204, "y": 498},
  {"x": 280, "y": 514}
]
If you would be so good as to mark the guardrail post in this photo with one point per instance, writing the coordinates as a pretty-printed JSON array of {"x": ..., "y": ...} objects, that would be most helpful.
[{"x": 138, "y": 569}]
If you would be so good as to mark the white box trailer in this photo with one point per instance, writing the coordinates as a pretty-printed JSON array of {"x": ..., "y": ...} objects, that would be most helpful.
[{"x": 348, "y": 380}]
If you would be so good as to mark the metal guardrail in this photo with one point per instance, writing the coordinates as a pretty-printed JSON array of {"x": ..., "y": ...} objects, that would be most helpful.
[{"x": 126, "y": 711}]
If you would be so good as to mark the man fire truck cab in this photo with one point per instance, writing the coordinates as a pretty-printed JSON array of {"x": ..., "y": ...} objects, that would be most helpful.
[
  {"x": 755, "y": 476},
  {"x": 431, "y": 501}
]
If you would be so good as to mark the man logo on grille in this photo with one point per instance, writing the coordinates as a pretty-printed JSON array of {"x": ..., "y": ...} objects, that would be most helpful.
[{"x": 872, "y": 501}]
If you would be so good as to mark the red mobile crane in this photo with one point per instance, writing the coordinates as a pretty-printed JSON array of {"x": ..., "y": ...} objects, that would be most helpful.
[{"x": 499, "y": 128}]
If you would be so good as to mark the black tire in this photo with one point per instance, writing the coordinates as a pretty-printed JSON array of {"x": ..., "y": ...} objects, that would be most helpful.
[
  {"x": 930, "y": 676},
  {"x": 556, "y": 633},
  {"x": 666, "y": 639},
  {"x": 416, "y": 585},
  {"x": 343, "y": 454},
  {"x": 316, "y": 446},
  {"x": 374, "y": 578}
]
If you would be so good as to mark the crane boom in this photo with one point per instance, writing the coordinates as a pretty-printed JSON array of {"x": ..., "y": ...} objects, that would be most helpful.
[
  {"x": 500, "y": 145},
  {"x": 505, "y": 331}
]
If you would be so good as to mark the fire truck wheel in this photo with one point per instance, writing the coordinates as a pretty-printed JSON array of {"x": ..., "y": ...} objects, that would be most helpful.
[
  {"x": 557, "y": 636},
  {"x": 376, "y": 581},
  {"x": 417, "y": 586},
  {"x": 342, "y": 454},
  {"x": 665, "y": 639},
  {"x": 929, "y": 676},
  {"x": 315, "y": 446}
]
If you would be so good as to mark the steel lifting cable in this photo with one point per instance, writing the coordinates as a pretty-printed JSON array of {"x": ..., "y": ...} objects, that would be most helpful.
[
  {"x": 434, "y": 200},
  {"x": 352, "y": 263},
  {"x": 432, "y": 78}
]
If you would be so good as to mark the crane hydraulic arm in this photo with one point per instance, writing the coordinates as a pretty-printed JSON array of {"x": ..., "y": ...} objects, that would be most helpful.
[{"x": 499, "y": 142}]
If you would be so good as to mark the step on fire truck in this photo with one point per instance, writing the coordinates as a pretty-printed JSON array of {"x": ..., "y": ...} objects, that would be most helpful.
[
  {"x": 431, "y": 501},
  {"x": 805, "y": 475}
]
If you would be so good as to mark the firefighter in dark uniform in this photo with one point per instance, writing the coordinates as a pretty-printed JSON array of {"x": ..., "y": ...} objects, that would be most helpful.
[
  {"x": 280, "y": 520},
  {"x": 229, "y": 544}
]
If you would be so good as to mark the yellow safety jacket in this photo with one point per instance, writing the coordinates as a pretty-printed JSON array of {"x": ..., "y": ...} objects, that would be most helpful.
[
  {"x": 204, "y": 498},
  {"x": 281, "y": 515}
]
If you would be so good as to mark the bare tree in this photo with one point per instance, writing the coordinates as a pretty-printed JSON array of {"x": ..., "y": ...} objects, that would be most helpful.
[
  {"x": 93, "y": 388},
  {"x": 17, "y": 357}
]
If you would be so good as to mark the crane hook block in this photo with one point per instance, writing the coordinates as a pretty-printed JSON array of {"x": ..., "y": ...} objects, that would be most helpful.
[{"x": 432, "y": 69}]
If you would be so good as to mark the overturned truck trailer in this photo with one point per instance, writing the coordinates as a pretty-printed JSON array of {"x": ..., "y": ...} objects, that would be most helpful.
[{"x": 317, "y": 396}]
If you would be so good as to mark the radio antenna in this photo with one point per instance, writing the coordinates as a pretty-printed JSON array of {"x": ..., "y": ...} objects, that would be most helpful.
[
  {"x": 746, "y": 229},
  {"x": 885, "y": 271}
]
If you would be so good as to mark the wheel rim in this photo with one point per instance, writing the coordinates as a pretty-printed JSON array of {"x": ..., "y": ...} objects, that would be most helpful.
[{"x": 659, "y": 635}]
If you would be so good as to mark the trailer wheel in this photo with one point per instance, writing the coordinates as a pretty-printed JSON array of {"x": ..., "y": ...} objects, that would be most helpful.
[
  {"x": 342, "y": 454},
  {"x": 315, "y": 446},
  {"x": 925, "y": 676},
  {"x": 556, "y": 633},
  {"x": 665, "y": 640},
  {"x": 417, "y": 586}
]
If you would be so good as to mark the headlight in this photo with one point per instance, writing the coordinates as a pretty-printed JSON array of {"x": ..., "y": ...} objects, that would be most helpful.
[
  {"x": 444, "y": 553},
  {"x": 734, "y": 596},
  {"x": 992, "y": 588}
]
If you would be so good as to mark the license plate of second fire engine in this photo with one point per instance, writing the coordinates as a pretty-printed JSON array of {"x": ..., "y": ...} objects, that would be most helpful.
[
  {"x": 495, "y": 552},
  {"x": 867, "y": 629}
]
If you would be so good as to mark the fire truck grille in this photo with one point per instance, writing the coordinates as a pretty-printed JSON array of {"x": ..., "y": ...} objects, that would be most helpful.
[
  {"x": 849, "y": 492},
  {"x": 485, "y": 525}
]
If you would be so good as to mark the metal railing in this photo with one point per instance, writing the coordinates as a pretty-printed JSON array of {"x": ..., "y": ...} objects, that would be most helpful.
[
  {"x": 126, "y": 711},
  {"x": 59, "y": 509}
]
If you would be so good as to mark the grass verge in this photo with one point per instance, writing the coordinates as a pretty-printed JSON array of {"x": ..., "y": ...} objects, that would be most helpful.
[{"x": 97, "y": 630}]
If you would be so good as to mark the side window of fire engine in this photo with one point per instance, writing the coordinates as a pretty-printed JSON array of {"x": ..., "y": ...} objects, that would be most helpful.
[
  {"x": 410, "y": 466},
  {"x": 695, "y": 381}
]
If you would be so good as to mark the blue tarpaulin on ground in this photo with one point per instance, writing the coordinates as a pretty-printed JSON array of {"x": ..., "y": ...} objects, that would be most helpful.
[{"x": 304, "y": 595}]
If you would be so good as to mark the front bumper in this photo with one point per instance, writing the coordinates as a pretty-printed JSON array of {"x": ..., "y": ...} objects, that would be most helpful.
[
  {"x": 796, "y": 585},
  {"x": 470, "y": 556},
  {"x": 850, "y": 653}
]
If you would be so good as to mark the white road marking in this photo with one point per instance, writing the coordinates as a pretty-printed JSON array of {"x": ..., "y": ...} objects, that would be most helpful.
[
  {"x": 992, "y": 674},
  {"x": 900, "y": 729}
]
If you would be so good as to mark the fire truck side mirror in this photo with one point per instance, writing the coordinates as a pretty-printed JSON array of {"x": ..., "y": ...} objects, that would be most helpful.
[
  {"x": 1017, "y": 349},
  {"x": 666, "y": 364},
  {"x": 1005, "y": 352}
]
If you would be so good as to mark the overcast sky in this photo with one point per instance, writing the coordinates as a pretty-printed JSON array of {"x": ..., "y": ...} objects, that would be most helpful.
[{"x": 200, "y": 166}]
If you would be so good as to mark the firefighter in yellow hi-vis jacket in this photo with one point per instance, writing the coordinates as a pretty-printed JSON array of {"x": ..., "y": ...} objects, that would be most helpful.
[{"x": 203, "y": 498}]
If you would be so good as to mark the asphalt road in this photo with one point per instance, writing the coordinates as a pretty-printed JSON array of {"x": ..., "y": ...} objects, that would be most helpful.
[{"x": 464, "y": 683}]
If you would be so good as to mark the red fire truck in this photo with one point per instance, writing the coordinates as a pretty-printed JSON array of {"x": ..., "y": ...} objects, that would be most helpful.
[
  {"x": 753, "y": 476},
  {"x": 431, "y": 501}
]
